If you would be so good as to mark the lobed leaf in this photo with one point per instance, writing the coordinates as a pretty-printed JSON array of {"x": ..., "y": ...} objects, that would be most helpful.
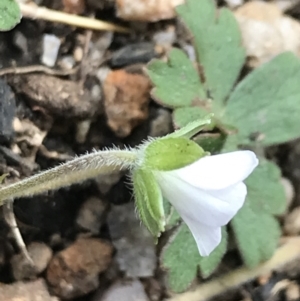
[
  {"x": 266, "y": 104},
  {"x": 218, "y": 43},
  {"x": 182, "y": 260},
  {"x": 10, "y": 14},
  {"x": 256, "y": 230},
  {"x": 177, "y": 83}
]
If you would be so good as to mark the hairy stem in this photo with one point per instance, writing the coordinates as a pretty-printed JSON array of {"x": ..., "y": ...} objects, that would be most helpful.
[{"x": 75, "y": 171}]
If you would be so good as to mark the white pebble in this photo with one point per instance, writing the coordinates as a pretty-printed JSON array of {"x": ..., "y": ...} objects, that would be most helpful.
[{"x": 51, "y": 44}]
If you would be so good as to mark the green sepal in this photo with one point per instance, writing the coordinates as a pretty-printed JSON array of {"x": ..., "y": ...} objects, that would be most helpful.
[
  {"x": 192, "y": 128},
  {"x": 171, "y": 153},
  {"x": 149, "y": 201}
]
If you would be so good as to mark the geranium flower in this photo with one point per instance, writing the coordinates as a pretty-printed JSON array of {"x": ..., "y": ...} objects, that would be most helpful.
[{"x": 208, "y": 193}]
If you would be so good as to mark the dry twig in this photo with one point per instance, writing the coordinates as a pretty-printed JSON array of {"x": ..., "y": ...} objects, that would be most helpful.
[{"x": 33, "y": 11}]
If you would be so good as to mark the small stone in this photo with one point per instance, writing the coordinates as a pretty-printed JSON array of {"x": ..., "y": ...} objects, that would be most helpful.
[
  {"x": 78, "y": 54},
  {"x": 234, "y": 3},
  {"x": 105, "y": 183},
  {"x": 7, "y": 112},
  {"x": 67, "y": 62},
  {"x": 29, "y": 132},
  {"x": 289, "y": 191},
  {"x": 133, "y": 54},
  {"x": 74, "y": 272},
  {"x": 190, "y": 51},
  {"x": 51, "y": 44},
  {"x": 285, "y": 5},
  {"x": 91, "y": 215},
  {"x": 135, "y": 245},
  {"x": 20, "y": 41},
  {"x": 82, "y": 129},
  {"x": 153, "y": 288},
  {"x": 161, "y": 125},
  {"x": 266, "y": 32},
  {"x": 147, "y": 10},
  {"x": 26, "y": 291},
  {"x": 76, "y": 7},
  {"x": 102, "y": 73},
  {"x": 292, "y": 222},
  {"x": 60, "y": 97},
  {"x": 165, "y": 38},
  {"x": 131, "y": 290},
  {"x": 126, "y": 100},
  {"x": 40, "y": 254},
  {"x": 99, "y": 47}
]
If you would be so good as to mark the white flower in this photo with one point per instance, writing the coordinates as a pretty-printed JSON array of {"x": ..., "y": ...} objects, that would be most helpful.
[{"x": 208, "y": 193}]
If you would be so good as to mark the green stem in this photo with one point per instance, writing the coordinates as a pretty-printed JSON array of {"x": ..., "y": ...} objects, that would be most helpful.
[{"x": 74, "y": 171}]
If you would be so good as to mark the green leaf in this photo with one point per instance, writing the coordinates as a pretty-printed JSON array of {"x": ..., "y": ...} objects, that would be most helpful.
[
  {"x": 266, "y": 104},
  {"x": 171, "y": 153},
  {"x": 10, "y": 14},
  {"x": 218, "y": 44},
  {"x": 149, "y": 201},
  {"x": 265, "y": 190},
  {"x": 177, "y": 82},
  {"x": 182, "y": 260},
  {"x": 256, "y": 230},
  {"x": 183, "y": 116},
  {"x": 256, "y": 234}
]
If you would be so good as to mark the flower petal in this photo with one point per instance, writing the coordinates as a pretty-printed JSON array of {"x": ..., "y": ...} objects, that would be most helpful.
[
  {"x": 219, "y": 171},
  {"x": 207, "y": 238},
  {"x": 211, "y": 208},
  {"x": 235, "y": 195}
]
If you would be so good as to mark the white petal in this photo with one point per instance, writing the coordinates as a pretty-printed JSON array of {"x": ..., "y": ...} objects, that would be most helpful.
[
  {"x": 211, "y": 208},
  {"x": 219, "y": 171},
  {"x": 207, "y": 238},
  {"x": 234, "y": 195}
]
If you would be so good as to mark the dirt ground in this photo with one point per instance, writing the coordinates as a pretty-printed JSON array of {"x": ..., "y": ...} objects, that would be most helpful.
[{"x": 85, "y": 240}]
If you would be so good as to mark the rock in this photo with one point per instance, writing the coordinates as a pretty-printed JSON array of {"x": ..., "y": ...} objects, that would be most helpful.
[
  {"x": 165, "y": 38},
  {"x": 51, "y": 45},
  {"x": 20, "y": 40},
  {"x": 76, "y": 7},
  {"x": 292, "y": 222},
  {"x": 105, "y": 183},
  {"x": 60, "y": 97},
  {"x": 161, "y": 125},
  {"x": 136, "y": 53},
  {"x": 28, "y": 132},
  {"x": 284, "y": 5},
  {"x": 91, "y": 215},
  {"x": 147, "y": 10},
  {"x": 126, "y": 100},
  {"x": 67, "y": 62},
  {"x": 82, "y": 130},
  {"x": 131, "y": 290},
  {"x": 26, "y": 291},
  {"x": 289, "y": 191},
  {"x": 7, "y": 112},
  {"x": 135, "y": 245},
  {"x": 40, "y": 254},
  {"x": 234, "y": 3},
  {"x": 266, "y": 32},
  {"x": 154, "y": 289},
  {"x": 74, "y": 271}
]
